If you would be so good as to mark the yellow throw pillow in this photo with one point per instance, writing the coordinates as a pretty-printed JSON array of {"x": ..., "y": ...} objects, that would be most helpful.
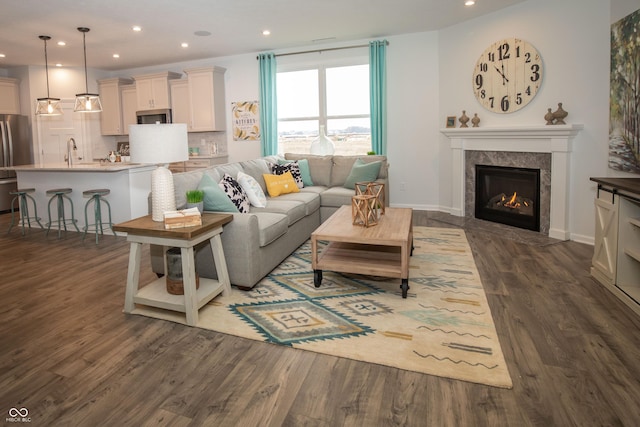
[{"x": 280, "y": 184}]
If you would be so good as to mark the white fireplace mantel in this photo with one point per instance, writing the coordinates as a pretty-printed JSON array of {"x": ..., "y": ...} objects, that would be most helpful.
[{"x": 554, "y": 139}]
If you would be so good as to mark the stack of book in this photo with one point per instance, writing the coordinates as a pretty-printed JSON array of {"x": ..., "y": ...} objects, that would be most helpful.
[{"x": 183, "y": 218}]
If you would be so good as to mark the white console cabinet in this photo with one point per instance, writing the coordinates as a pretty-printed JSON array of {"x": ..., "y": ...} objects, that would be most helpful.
[{"x": 616, "y": 257}]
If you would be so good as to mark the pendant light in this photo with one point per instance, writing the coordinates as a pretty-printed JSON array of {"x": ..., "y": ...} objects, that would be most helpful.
[
  {"x": 87, "y": 102},
  {"x": 47, "y": 106}
]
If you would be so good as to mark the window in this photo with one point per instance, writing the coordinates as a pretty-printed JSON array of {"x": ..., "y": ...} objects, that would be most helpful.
[{"x": 335, "y": 97}]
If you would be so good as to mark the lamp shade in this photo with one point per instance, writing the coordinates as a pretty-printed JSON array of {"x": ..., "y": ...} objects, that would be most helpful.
[{"x": 159, "y": 143}]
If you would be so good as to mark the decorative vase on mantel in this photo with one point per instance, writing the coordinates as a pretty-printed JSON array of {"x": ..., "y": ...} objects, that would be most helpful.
[{"x": 322, "y": 145}]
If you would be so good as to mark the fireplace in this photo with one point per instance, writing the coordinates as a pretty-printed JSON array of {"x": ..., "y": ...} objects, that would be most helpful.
[
  {"x": 554, "y": 141},
  {"x": 508, "y": 195}
]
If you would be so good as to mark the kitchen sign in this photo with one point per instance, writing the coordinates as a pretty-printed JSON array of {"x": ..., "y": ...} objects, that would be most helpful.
[{"x": 246, "y": 121}]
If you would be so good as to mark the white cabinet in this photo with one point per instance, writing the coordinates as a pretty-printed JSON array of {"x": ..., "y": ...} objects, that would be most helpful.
[
  {"x": 628, "y": 265},
  {"x": 152, "y": 90},
  {"x": 206, "y": 99},
  {"x": 111, "y": 122},
  {"x": 616, "y": 258},
  {"x": 605, "y": 251},
  {"x": 180, "y": 109},
  {"x": 129, "y": 107},
  {"x": 9, "y": 96}
]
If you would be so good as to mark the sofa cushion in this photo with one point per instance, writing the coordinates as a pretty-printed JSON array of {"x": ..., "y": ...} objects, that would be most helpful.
[
  {"x": 362, "y": 172},
  {"x": 183, "y": 182},
  {"x": 280, "y": 169},
  {"x": 342, "y": 166},
  {"x": 252, "y": 189},
  {"x": 215, "y": 199},
  {"x": 320, "y": 166},
  {"x": 336, "y": 197},
  {"x": 231, "y": 168},
  {"x": 310, "y": 199},
  {"x": 271, "y": 226},
  {"x": 295, "y": 210},
  {"x": 256, "y": 168},
  {"x": 234, "y": 191},
  {"x": 280, "y": 184}
]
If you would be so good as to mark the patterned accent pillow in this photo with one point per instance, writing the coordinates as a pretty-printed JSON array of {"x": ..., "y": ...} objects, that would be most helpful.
[
  {"x": 280, "y": 184},
  {"x": 252, "y": 188},
  {"x": 289, "y": 167},
  {"x": 234, "y": 191}
]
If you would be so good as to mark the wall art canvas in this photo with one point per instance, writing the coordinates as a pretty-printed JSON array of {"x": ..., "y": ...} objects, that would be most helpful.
[
  {"x": 246, "y": 121},
  {"x": 624, "y": 111}
]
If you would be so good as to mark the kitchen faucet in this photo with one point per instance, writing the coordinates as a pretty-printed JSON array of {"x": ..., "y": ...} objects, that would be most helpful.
[{"x": 71, "y": 144}]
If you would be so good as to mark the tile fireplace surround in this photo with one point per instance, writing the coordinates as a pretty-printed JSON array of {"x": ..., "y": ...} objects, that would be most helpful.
[{"x": 555, "y": 140}]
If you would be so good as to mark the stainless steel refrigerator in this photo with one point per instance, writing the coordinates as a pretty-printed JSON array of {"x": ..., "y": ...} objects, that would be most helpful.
[{"x": 16, "y": 149}]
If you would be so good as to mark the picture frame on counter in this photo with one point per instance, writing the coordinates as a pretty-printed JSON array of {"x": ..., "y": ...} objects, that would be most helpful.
[{"x": 123, "y": 148}]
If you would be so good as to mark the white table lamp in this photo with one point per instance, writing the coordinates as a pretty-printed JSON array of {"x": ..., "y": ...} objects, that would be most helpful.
[{"x": 161, "y": 144}]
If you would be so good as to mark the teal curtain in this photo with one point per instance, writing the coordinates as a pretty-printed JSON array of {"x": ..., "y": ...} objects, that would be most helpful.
[
  {"x": 268, "y": 104},
  {"x": 378, "y": 95}
]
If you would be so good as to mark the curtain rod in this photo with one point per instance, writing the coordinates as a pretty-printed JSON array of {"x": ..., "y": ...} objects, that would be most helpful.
[{"x": 324, "y": 50}]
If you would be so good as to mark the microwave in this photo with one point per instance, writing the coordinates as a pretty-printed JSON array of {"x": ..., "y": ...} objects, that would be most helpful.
[{"x": 149, "y": 117}]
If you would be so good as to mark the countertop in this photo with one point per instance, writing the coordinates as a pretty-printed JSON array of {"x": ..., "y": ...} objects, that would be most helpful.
[
  {"x": 79, "y": 167},
  {"x": 630, "y": 185}
]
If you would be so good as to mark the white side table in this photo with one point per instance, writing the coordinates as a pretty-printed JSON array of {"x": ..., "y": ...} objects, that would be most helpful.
[{"x": 145, "y": 230}]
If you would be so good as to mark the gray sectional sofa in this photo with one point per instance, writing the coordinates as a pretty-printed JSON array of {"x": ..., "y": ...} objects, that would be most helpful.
[{"x": 256, "y": 242}]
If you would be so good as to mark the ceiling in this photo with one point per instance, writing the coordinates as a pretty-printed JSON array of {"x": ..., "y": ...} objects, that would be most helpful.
[{"x": 235, "y": 26}]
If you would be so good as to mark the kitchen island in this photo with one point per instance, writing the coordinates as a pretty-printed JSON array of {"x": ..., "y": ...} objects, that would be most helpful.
[{"x": 130, "y": 184}]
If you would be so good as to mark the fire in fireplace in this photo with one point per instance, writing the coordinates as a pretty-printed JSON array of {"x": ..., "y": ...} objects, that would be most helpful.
[{"x": 508, "y": 196}]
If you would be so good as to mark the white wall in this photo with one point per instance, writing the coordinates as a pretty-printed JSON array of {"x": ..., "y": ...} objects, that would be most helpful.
[
  {"x": 572, "y": 37},
  {"x": 413, "y": 92}
]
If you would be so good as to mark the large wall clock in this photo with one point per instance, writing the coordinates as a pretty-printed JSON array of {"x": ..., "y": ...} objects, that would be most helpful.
[{"x": 507, "y": 75}]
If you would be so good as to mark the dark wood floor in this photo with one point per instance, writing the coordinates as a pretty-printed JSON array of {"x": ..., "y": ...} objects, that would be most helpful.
[{"x": 72, "y": 358}]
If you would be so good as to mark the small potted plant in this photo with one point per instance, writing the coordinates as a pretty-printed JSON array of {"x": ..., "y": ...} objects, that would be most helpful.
[{"x": 195, "y": 199}]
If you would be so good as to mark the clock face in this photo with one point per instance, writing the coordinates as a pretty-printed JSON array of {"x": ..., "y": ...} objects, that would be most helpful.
[{"x": 507, "y": 75}]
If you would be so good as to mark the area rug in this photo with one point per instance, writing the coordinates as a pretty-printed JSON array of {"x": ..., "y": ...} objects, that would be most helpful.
[{"x": 444, "y": 327}]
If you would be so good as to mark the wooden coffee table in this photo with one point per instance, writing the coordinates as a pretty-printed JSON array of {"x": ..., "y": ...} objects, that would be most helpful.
[{"x": 380, "y": 250}]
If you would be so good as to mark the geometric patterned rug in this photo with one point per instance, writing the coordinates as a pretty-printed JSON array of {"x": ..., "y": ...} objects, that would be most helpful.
[{"x": 444, "y": 326}]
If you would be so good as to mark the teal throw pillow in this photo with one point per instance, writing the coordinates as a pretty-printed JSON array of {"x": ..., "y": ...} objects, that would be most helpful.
[
  {"x": 305, "y": 172},
  {"x": 362, "y": 172},
  {"x": 215, "y": 199}
]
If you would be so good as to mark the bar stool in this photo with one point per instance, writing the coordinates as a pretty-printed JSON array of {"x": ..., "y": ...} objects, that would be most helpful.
[
  {"x": 59, "y": 195},
  {"x": 96, "y": 196},
  {"x": 22, "y": 195}
]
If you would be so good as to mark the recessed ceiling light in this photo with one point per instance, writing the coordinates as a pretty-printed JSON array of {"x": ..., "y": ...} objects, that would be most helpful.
[
  {"x": 184, "y": 44},
  {"x": 136, "y": 28},
  {"x": 2, "y": 55},
  {"x": 62, "y": 43},
  {"x": 469, "y": 2},
  {"x": 266, "y": 33},
  {"x": 58, "y": 65},
  {"x": 202, "y": 33},
  {"x": 115, "y": 55}
]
